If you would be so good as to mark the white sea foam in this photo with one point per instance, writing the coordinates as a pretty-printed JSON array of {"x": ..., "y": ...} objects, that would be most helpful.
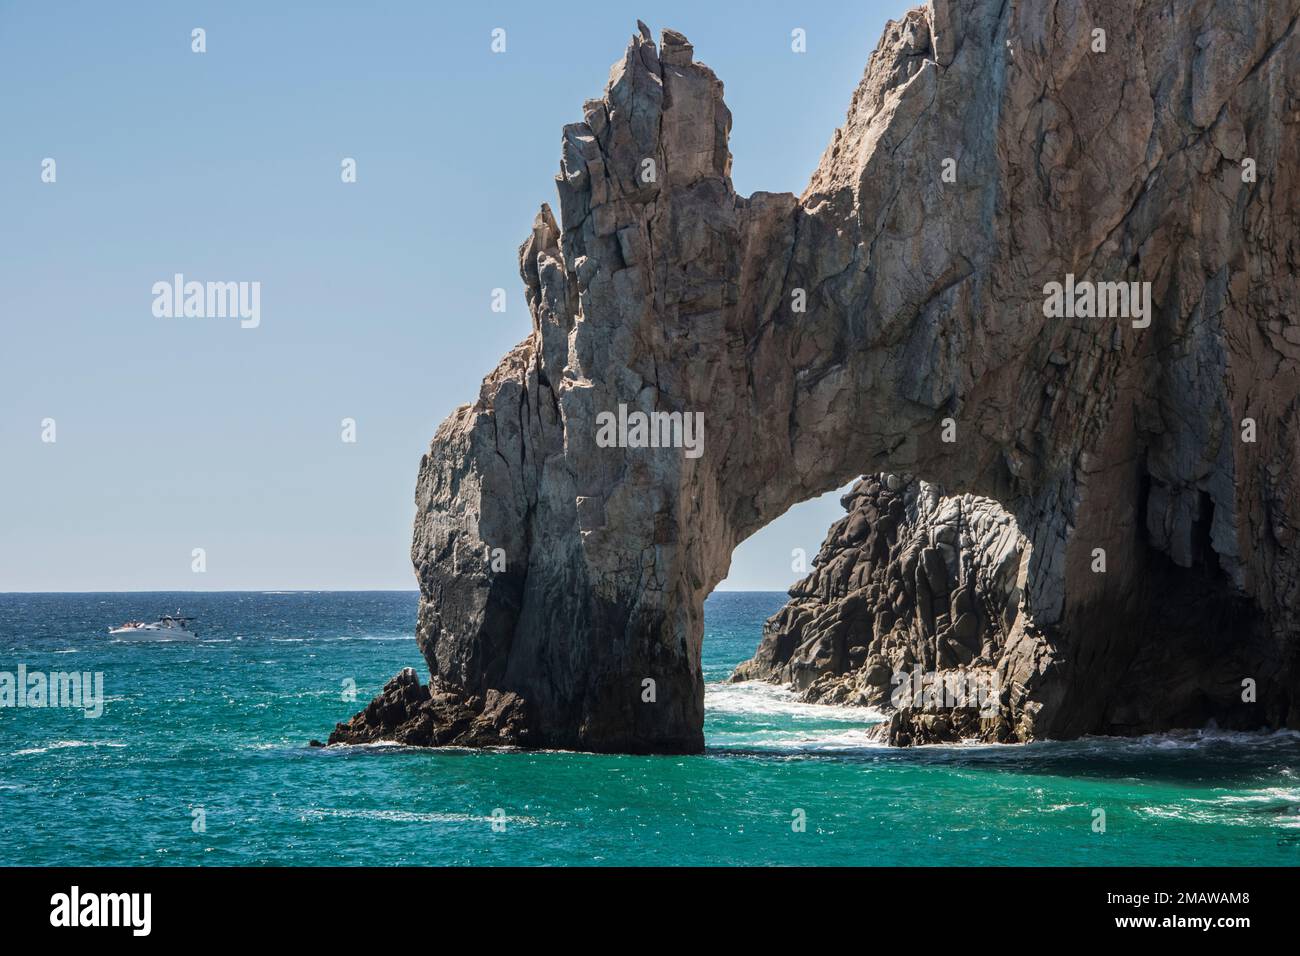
[
  {"x": 65, "y": 744},
  {"x": 1267, "y": 795},
  {"x": 1193, "y": 740},
  {"x": 372, "y": 745},
  {"x": 803, "y": 727},
  {"x": 772, "y": 718},
  {"x": 1186, "y": 814},
  {"x": 395, "y": 745},
  {"x": 844, "y": 740},
  {"x": 409, "y": 816},
  {"x": 1279, "y": 805},
  {"x": 760, "y": 697}
]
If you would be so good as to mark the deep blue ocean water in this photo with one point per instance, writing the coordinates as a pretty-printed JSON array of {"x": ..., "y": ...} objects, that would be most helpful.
[{"x": 201, "y": 757}]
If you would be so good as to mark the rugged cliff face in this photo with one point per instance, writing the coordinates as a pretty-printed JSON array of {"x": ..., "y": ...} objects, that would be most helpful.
[{"x": 894, "y": 317}]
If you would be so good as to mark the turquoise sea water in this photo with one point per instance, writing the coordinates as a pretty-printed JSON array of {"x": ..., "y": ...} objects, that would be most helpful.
[{"x": 216, "y": 731}]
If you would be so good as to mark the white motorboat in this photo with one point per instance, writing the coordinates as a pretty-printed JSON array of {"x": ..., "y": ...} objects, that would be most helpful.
[{"x": 169, "y": 627}]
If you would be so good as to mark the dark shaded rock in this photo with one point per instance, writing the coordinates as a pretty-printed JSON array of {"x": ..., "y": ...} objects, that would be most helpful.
[
  {"x": 407, "y": 712},
  {"x": 963, "y": 546}
]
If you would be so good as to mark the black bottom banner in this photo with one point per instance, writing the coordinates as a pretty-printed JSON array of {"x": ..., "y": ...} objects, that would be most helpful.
[{"x": 366, "y": 905}]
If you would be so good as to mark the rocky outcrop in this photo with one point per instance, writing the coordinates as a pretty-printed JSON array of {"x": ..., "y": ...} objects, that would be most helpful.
[
  {"x": 407, "y": 712},
  {"x": 913, "y": 591},
  {"x": 905, "y": 314}
]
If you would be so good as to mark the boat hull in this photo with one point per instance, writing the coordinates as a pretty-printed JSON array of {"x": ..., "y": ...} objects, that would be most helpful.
[{"x": 152, "y": 634}]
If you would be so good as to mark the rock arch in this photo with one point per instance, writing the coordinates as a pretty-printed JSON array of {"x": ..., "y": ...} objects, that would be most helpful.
[{"x": 922, "y": 302}]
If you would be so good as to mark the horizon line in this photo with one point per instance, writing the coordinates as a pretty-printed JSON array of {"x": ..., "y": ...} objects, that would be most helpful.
[{"x": 323, "y": 591}]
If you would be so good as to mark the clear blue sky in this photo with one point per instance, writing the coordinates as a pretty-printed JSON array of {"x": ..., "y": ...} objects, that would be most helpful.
[{"x": 174, "y": 434}]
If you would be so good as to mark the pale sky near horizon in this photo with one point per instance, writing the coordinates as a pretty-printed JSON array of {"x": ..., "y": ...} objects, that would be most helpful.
[{"x": 175, "y": 434}]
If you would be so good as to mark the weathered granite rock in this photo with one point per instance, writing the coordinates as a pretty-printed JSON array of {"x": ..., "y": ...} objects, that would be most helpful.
[
  {"x": 990, "y": 149},
  {"x": 407, "y": 712},
  {"x": 912, "y": 583}
]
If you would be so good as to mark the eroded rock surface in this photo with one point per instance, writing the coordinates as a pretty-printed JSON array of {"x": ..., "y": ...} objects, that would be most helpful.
[
  {"x": 844, "y": 331},
  {"x": 911, "y": 582},
  {"x": 420, "y": 715}
]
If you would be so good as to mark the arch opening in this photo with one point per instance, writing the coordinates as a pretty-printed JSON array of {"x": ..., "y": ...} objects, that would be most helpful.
[{"x": 914, "y": 607}]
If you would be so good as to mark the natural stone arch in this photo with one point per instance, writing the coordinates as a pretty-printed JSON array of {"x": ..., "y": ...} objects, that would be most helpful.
[{"x": 924, "y": 303}]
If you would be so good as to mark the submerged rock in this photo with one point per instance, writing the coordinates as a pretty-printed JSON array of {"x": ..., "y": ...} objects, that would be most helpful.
[{"x": 907, "y": 314}]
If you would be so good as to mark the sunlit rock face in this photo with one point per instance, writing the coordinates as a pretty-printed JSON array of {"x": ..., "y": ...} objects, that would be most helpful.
[{"x": 990, "y": 151}]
